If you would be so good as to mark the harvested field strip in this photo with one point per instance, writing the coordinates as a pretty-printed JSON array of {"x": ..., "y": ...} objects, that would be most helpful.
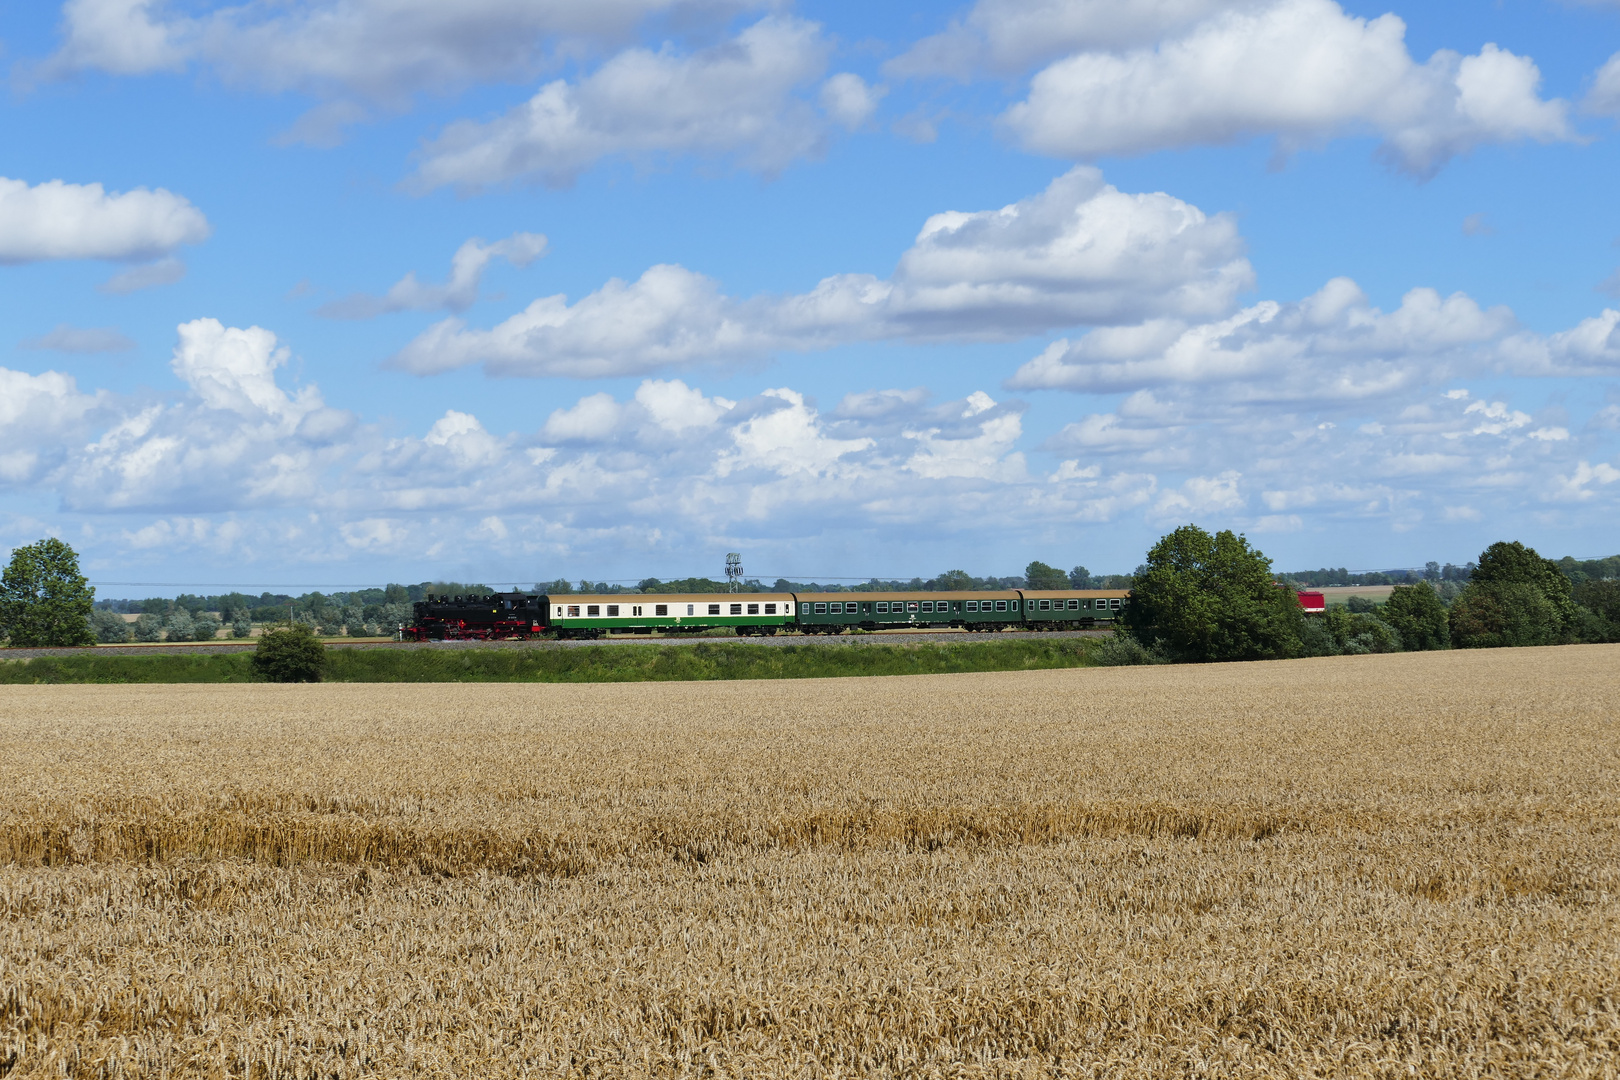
[
  {"x": 1363, "y": 866},
  {"x": 622, "y": 662}
]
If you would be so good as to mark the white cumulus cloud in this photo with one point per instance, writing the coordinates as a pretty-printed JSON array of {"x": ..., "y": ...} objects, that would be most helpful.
[
  {"x": 1334, "y": 345},
  {"x": 1604, "y": 96},
  {"x": 234, "y": 370},
  {"x": 1081, "y": 252},
  {"x": 235, "y": 438},
  {"x": 670, "y": 317},
  {"x": 1007, "y": 36},
  {"x": 40, "y": 418},
  {"x": 1302, "y": 70},
  {"x": 1591, "y": 347},
  {"x": 589, "y": 420},
  {"x": 457, "y": 294},
  {"x": 58, "y": 220},
  {"x": 736, "y": 99},
  {"x": 849, "y": 99},
  {"x": 376, "y": 50}
]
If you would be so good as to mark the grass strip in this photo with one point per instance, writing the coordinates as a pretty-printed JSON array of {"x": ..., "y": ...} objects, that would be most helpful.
[{"x": 615, "y": 663}]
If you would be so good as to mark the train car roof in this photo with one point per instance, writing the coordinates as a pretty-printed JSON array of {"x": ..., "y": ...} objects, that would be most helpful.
[
  {"x": 1004, "y": 594},
  {"x": 666, "y": 598},
  {"x": 1053, "y": 594}
]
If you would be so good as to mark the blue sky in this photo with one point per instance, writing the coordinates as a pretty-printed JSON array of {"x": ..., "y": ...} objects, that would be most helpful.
[{"x": 349, "y": 291}]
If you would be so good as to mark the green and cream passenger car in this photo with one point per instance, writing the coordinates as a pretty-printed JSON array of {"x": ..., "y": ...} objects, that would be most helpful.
[{"x": 592, "y": 616}]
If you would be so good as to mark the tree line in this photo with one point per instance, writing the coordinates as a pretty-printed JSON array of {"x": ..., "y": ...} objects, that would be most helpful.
[
  {"x": 1197, "y": 597},
  {"x": 1206, "y": 598}
]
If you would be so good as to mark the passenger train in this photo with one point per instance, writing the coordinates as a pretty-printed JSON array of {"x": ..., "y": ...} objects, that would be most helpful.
[{"x": 524, "y": 615}]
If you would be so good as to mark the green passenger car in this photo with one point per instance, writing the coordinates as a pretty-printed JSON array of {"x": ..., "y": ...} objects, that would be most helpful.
[
  {"x": 1072, "y": 608},
  {"x": 836, "y": 613},
  {"x": 642, "y": 613}
]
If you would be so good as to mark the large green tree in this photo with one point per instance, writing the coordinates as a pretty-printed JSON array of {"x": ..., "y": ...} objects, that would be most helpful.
[
  {"x": 1514, "y": 597},
  {"x": 1037, "y": 575},
  {"x": 1501, "y": 614},
  {"x": 44, "y": 600},
  {"x": 1416, "y": 613},
  {"x": 1203, "y": 597},
  {"x": 1599, "y": 601}
]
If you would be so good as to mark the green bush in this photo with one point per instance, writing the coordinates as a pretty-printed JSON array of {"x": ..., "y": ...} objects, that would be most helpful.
[
  {"x": 1342, "y": 632},
  {"x": 149, "y": 627},
  {"x": 109, "y": 627},
  {"x": 290, "y": 654},
  {"x": 1123, "y": 650},
  {"x": 1416, "y": 613},
  {"x": 204, "y": 627}
]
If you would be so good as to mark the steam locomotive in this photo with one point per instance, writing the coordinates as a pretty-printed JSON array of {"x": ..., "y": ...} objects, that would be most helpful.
[{"x": 513, "y": 615}]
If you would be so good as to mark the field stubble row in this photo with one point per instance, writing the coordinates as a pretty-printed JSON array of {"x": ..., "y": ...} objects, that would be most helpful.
[{"x": 1355, "y": 866}]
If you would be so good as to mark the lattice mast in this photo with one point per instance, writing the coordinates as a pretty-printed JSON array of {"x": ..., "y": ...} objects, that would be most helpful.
[{"x": 734, "y": 570}]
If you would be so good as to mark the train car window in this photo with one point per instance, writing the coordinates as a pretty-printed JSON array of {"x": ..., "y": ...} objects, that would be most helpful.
[
  {"x": 1074, "y": 605},
  {"x": 661, "y": 609},
  {"x": 753, "y": 609},
  {"x": 1046, "y": 605},
  {"x": 912, "y": 606},
  {"x": 613, "y": 609},
  {"x": 689, "y": 608},
  {"x": 804, "y": 609},
  {"x": 821, "y": 609},
  {"x": 635, "y": 612},
  {"x": 736, "y": 609},
  {"x": 714, "y": 609},
  {"x": 883, "y": 607},
  {"x": 593, "y": 609},
  {"x": 928, "y": 606},
  {"x": 573, "y": 611},
  {"x": 770, "y": 609},
  {"x": 1001, "y": 605},
  {"x": 1116, "y": 602},
  {"x": 559, "y": 613},
  {"x": 835, "y": 609},
  {"x": 972, "y": 605}
]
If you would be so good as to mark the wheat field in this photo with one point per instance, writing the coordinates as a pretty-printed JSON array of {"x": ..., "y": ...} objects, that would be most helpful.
[{"x": 1360, "y": 866}]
